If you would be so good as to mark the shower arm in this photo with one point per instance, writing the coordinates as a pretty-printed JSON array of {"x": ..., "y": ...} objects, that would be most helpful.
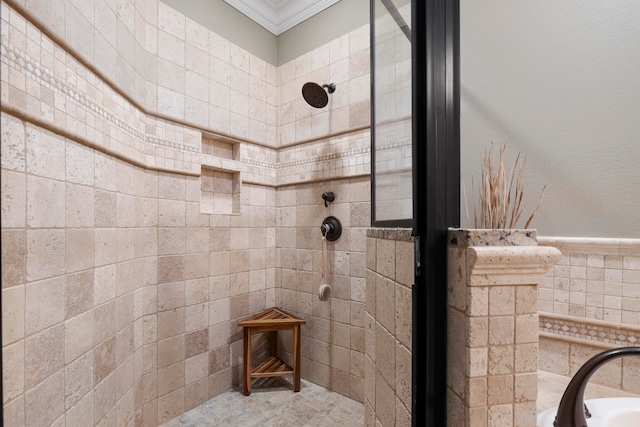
[
  {"x": 571, "y": 411},
  {"x": 330, "y": 87}
]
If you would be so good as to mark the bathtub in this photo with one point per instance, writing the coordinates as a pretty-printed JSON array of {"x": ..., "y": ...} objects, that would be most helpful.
[{"x": 605, "y": 412}]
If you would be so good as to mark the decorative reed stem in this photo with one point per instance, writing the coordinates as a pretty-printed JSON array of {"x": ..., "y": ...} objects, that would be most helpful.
[{"x": 500, "y": 201}]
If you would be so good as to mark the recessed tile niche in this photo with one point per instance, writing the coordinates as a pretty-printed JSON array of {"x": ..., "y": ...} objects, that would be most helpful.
[
  {"x": 220, "y": 148},
  {"x": 220, "y": 176}
]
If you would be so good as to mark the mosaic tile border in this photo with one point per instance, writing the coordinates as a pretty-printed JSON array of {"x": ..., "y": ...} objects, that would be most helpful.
[
  {"x": 589, "y": 330},
  {"x": 260, "y": 163},
  {"x": 325, "y": 157},
  {"x": 339, "y": 156},
  {"x": 20, "y": 61}
]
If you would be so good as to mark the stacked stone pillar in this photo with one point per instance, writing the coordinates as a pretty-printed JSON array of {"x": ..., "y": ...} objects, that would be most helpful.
[{"x": 493, "y": 326}]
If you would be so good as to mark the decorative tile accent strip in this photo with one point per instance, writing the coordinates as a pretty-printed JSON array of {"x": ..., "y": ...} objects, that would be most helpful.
[
  {"x": 259, "y": 163},
  {"x": 334, "y": 157},
  {"x": 589, "y": 330},
  {"x": 325, "y": 157},
  {"x": 179, "y": 146},
  {"x": 20, "y": 61}
]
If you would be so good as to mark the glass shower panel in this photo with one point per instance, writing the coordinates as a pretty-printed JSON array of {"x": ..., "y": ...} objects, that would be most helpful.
[{"x": 392, "y": 179}]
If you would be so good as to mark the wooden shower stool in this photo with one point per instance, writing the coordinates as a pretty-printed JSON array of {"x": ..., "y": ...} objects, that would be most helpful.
[{"x": 271, "y": 320}]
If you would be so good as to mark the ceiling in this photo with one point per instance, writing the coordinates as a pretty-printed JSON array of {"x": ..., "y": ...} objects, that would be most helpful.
[{"x": 278, "y": 16}]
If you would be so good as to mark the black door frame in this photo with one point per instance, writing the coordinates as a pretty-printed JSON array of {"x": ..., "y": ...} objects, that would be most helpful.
[
  {"x": 436, "y": 198},
  {"x": 435, "y": 53}
]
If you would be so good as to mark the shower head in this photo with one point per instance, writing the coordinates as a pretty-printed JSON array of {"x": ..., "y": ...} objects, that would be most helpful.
[{"x": 315, "y": 94}]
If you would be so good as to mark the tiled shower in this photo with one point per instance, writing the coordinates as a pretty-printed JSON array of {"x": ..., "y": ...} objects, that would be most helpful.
[{"x": 159, "y": 184}]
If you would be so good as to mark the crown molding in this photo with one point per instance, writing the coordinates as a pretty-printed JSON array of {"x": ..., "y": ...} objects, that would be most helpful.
[{"x": 279, "y": 16}]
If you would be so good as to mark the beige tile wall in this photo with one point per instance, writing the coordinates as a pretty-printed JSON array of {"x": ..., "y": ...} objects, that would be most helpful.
[
  {"x": 343, "y": 61},
  {"x": 120, "y": 307},
  {"x": 42, "y": 80},
  {"x": 245, "y": 99},
  {"x": 332, "y": 157},
  {"x": 596, "y": 279},
  {"x": 112, "y": 271},
  {"x": 162, "y": 62},
  {"x": 564, "y": 356},
  {"x": 387, "y": 318},
  {"x": 590, "y": 302},
  {"x": 333, "y": 337}
]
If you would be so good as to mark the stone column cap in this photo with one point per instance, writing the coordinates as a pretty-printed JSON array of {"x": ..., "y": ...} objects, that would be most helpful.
[{"x": 509, "y": 265}]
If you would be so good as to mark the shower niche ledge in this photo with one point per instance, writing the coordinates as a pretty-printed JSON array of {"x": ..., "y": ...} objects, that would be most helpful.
[{"x": 220, "y": 176}]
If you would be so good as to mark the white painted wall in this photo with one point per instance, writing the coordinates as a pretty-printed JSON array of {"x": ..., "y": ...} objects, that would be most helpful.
[{"x": 559, "y": 81}]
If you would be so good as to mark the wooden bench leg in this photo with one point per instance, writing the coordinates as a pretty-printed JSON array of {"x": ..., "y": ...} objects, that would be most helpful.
[
  {"x": 296, "y": 358},
  {"x": 273, "y": 343},
  {"x": 246, "y": 333}
]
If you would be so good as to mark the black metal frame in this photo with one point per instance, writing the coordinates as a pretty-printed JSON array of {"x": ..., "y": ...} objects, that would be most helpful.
[
  {"x": 435, "y": 52},
  {"x": 436, "y": 133}
]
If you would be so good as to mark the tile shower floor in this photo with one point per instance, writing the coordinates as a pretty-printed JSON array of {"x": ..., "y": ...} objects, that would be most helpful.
[
  {"x": 275, "y": 404},
  {"x": 272, "y": 403}
]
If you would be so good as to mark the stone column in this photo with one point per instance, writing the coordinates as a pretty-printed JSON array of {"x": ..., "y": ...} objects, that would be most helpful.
[{"x": 492, "y": 350}]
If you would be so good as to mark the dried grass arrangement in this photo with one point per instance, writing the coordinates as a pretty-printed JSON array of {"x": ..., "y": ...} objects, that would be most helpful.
[{"x": 500, "y": 201}]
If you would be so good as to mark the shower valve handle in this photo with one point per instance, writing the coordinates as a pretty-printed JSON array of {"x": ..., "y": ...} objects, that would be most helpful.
[
  {"x": 326, "y": 228},
  {"x": 331, "y": 228}
]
